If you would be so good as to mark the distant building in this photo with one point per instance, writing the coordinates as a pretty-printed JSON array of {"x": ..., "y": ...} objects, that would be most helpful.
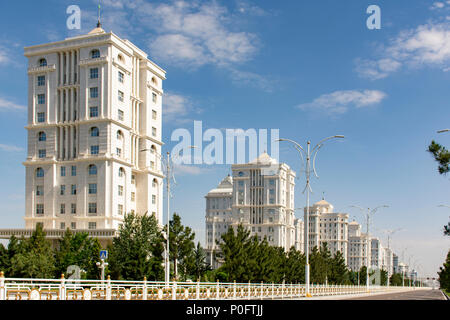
[
  {"x": 260, "y": 196},
  {"x": 359, "y": 247},
  {"x": 218, "y": 216},
  {"x": 395, "y": 263},
  {"x": 328, "y": 226},
  {"x": 377, "y": 253}
]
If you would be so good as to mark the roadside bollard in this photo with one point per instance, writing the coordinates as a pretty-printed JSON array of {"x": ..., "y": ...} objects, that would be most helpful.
[
  {"x": 2, "y": 286},
  {"x": 144, "y": 289},
  {"x": 62, "y": 288}
]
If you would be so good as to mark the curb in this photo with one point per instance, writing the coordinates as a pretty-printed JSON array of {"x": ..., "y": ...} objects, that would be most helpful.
[{"x": 445, "y": 295}]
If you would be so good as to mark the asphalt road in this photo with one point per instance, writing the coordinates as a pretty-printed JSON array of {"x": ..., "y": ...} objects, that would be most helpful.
[{"x": 410, "y": 295}]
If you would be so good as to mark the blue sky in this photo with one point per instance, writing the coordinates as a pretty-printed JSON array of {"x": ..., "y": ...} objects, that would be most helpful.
[{"x": 309, "y": 68}]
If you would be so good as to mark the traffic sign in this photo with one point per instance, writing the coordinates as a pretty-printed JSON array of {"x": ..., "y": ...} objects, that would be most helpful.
[{"x": 104, "y": 254}]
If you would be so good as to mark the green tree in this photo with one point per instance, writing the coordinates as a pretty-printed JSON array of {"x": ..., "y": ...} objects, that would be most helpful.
[
  {"x": 295, "y": 266},
  {"x": 79, "y": 250},
  {"x": 234, "y": 254},
  {"x": 447, "y": 229},
  {"x": 339, "y": 272},
  {"x": 137, "y": 251},
  {"x": 34, "y": 257},
  {"x": 4, "y": 258},
  {"x": 197, "y": 266},
  {"x": 181, "y": 245},
  {"x": 444, "y": 274},
  {"x": 441, "y": 155},
  {"x": 396, "y": 279}
]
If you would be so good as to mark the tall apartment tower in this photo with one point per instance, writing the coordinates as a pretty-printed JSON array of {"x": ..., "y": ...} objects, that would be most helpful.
[
  {"x": 328, "y": 226},
  {"x": 359, "y": 247},
  {"x": 263, "y": 200},
  {"x": 218, "y": 217},
  {"x": 94, "y": 133}
]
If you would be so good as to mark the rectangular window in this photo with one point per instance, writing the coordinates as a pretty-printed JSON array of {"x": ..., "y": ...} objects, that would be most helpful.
[
  {"x": 154, "y": 114},
  {"x": 92, "y": 225},
  {"x": 62, "y": 226},
  {"x": 73, "y": 190},
  {"x": 120, "y": 96},
  {"x": 133, "y": 197},
  {"x": 73, "y": 225},
  {"x": 92, "y": 207},
  {"x": 120, "y": 77},
  {"x": 93, "y": 112},
  {"x": 41, "y": 98},
  {"x": 94, "y": 149},
  {"x": 39, "y": 190},
  {"x": 63, "y": 171},
  {"x": 154, "y": 97},
  {"x": 41, "y": 81},
  {"x": 92, "y": 188},
  {"x": 118, "y": 152},
  {"x": 120, "y": 191},
  {"x": 73, "y": 208},
  {"x": 62, "y": 190},
  {"x": 42, "y": 153},
  {"x": 93, "y": 92},
  {"x": 120, "y": 209},
  {"x": 74, "y": 171},
  {"x": 40, "y": 208},
  {"x": 41, "y": 117},
  {"x": 94, "y": 73},
  {"x": 133, "y": 179},
  {"x": 154, "y": 131},
  {"x": 120, "y": 115},
  {"x": 153, "y": 199},
  {"x": 62, "y": 210}
]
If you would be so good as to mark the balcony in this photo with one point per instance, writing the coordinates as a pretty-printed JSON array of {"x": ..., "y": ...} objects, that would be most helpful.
[{"x": 49, "y": 68}]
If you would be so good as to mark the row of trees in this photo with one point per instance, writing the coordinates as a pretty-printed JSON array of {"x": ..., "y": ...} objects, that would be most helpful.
[
  {"x": 245, "y": 259},
  {"x": 136, "y": 253}
]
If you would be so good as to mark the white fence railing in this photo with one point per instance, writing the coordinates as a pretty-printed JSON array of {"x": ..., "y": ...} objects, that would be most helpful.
[{"x": 70, "y": 289}]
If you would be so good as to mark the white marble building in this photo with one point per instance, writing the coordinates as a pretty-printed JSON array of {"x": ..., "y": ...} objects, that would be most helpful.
[
  {"x": 359, "y": 252},
  {"x": 94, "y": 133},
  {"x": 218, "y": 217},
  {"x": 260, "y": 196},
  {"x": 327, "y": 226}
]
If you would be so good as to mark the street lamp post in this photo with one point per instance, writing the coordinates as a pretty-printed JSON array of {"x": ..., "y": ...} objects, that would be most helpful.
[
  {"x": 308, "y": 154},
  {"x": 389, "y": 235},
  {"x": 368, "y": 215},
  {"x": 444, "y": 130}
]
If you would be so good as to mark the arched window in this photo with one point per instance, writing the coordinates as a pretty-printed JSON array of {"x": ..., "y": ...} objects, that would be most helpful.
[
  {"x": 153, "y": 149},
  {"x": 39, "y": 173},
  {"x": 42, "y": 62},
  {"x": 154, "y": 80},
  {"x": 119, "y": 135},
  {"x": 120, "y": 57},
  {"x": 95, "y": 53},
  {"x": 92, "y": 170},
  {"x": 95, "y": 132},
  {"x": 121, "y": 172},
  {"x": 154, "y": 183},
  {"x": 42, "y": 136}
]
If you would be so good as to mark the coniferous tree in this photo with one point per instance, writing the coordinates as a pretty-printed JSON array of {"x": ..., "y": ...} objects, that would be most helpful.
[
  {"x": 198, "y": 266},
  {"x": 4, "y": 258},
  {"x": 444, "y": 274},
  {"x": 295, "y": 266},
  {"x": 441, "y": 155},
  {"x": 339, "y": 271},
  {"x": 234, "y": 254},
  {"x": 181, "y": 244}
]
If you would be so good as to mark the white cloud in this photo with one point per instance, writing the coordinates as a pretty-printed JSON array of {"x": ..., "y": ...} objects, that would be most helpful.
[
  {"x": 178, "y": 109},
  {"x": 9, "y": 105},
  {"x": 339, "y": 102},
  {"x": 427, "y": 45},
  {"x": 9, "y": 148},
  {"x": 195, "y": 33}
]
